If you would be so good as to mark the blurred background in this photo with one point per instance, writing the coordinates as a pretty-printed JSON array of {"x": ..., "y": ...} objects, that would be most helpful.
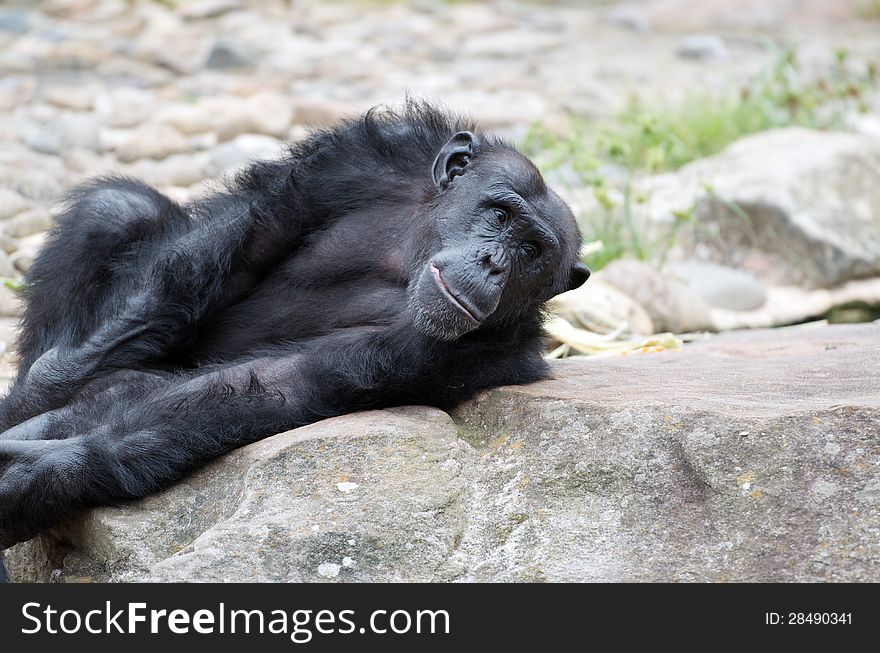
[{"x": 722, "y": 156}]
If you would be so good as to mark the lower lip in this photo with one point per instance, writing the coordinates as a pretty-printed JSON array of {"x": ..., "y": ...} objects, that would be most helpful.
[{"x": 445, "y": 289}]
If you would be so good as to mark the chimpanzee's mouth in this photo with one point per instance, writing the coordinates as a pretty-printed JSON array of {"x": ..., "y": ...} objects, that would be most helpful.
[{"x": 455, "y": 301}]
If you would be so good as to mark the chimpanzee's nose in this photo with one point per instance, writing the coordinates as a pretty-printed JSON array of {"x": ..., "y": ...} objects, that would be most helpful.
[{"x": 494, "y": 262}]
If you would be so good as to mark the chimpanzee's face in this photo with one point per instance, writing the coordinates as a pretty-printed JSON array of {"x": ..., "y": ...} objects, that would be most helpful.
[{"x": 506, "y": 241}]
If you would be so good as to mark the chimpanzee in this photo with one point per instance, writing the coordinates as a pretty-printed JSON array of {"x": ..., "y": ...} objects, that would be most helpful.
[{"x": 399, "y": 258}]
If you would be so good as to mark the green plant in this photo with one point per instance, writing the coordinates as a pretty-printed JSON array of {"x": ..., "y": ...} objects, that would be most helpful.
[
  {"x": 616, "y": 227},
  {"x": 13, "y": 284},
  {"x": 666, "y": 136},
  {"x": 868, "y": 9}
]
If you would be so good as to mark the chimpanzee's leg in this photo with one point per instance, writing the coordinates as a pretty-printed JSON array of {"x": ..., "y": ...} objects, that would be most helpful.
[
  {"x": 146, "y": 443},
  {"x": 171, "y": 424},
  {"x": 91, "y": 409},
  {"x": 92, "y": 260},
  {"x": 122, "y": 280}
]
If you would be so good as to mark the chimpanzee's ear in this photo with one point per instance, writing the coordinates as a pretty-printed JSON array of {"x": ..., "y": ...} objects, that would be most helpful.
[
  {"x": 579, "y": 275},
  {"x": 453, "y": 158}
]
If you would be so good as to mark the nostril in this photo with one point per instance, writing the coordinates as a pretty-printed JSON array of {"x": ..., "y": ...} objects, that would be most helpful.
[{"x": 493, "y": 266}]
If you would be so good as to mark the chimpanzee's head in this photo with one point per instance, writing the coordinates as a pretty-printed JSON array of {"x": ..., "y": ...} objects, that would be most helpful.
[{"x": 505, "y": 243}]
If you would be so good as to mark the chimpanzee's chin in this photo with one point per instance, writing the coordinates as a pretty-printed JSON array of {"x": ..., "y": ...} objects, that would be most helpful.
[{"x": 433, "y": 312}]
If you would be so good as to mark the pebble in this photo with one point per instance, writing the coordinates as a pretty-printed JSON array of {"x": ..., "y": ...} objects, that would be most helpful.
[
  {"x": 42, "y": 185},
  {"x": 508, "y": 43},
  {"x": 243, "y": 149},
  {"x": 187, "y": 118},
  {"x": 263, "y": 113},
  {"x": 7, "y": 269},
  {"x": 202, "y": 9},
  {"x": 703, "y": 47},
  {"x": 67, "y": 131},
  {"x": 629, "y": 18},
  {"x": 8, "y": 245},
  {"x": 671, "y": 304},
  {"x": 317, "y": 112},
  {"x": 151, "y": 141},
  {"x": 228, "y": 54},
  {"x": 720, "y": 286},
  {"x": 75, "y": 55},
  {"x": 21, "y": 262},
  {"x": 11, "y": 203},
  {"x": 10, "y": 304},
  {"x": 26, "y": 250},
  {"x": 29, "y": 222},
  {"x": 125, "y": 107},
  {"x": 140, "y": 74},
  {"x": 174, "y": 170},
  {"x": 329, "y": 569},
  {"x": 15, "y": 91},
  {"x": 91, "y": 164},
  {"x": 600, "y": 307},
  {"x": 71, "y": 97},
  {"x": 15, "y": 21},
  {"x": 229, "y": 116}
]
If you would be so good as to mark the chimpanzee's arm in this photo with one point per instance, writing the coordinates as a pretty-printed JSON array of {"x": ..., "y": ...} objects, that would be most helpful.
[
  {"x": 145, "y": 445},
  {"x": 150, "y": 442}
]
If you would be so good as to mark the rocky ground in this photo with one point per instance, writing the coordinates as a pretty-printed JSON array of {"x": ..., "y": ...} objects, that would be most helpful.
[{"x": 753, "y": 456}]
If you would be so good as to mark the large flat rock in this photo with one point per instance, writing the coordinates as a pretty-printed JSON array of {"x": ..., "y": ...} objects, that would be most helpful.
[
  {"x": 748, "y": 456},
  {"x": 752, "y": 456}
]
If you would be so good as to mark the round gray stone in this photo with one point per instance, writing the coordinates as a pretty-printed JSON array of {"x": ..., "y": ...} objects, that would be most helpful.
[{"x": 720, "y": 286}]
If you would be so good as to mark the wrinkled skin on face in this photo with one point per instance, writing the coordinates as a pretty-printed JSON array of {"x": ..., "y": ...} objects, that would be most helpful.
[{"x": 506, "y": 242}]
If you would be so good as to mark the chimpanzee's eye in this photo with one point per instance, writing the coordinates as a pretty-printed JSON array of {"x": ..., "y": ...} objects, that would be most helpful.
[
  {"x": 502, "y": 215},
  {"x": 530, "y": 249}
]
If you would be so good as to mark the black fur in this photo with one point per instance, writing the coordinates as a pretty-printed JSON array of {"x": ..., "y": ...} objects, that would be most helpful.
[{"x": 400, "y": 258}]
